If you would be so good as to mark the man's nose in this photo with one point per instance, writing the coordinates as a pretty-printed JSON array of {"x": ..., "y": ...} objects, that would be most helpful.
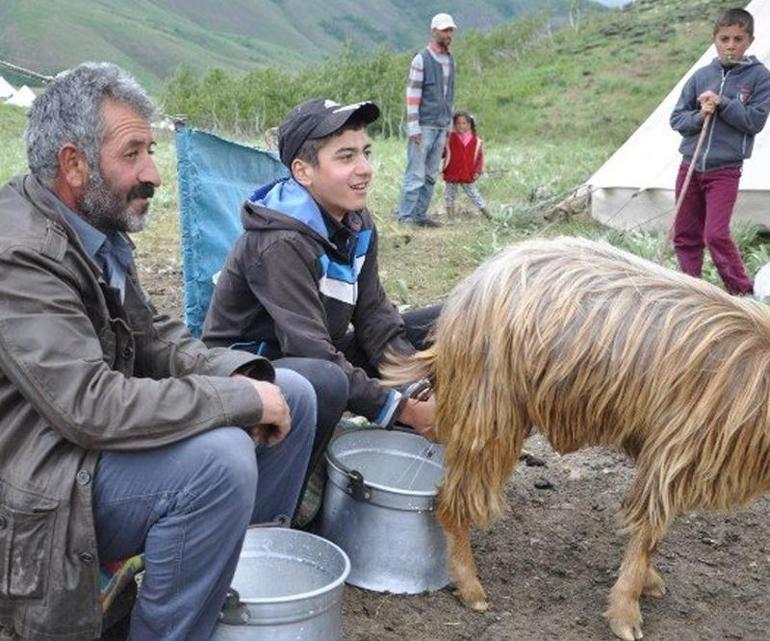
[{"x": 149, "y": 172}]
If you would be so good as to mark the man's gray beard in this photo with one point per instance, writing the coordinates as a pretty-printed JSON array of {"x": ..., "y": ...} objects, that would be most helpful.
[{"x": 107, "y": 210}]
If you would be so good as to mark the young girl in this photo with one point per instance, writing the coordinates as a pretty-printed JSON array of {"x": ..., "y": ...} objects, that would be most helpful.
[{"x": 463, "y": 163}]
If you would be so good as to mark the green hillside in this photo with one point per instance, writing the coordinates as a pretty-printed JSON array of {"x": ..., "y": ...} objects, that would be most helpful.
[
  {"x": 524, "y": 80},
  {"x": 154, "y": 37}
]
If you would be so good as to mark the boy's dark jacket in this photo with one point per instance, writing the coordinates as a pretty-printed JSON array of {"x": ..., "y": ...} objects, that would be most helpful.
[
  {"x": 287, "y": 285},
  {"x": 744, "y": 103},
  {"x": 81, "y": 372}
]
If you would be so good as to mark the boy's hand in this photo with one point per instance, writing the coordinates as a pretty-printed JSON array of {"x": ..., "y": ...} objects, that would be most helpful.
[
  {"x": 707, "y": 108},
  {"x": 420, "y": 416},
  {"x": 709, "y": 101}
]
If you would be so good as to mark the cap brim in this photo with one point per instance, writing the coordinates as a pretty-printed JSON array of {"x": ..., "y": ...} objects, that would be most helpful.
[{"x": 368, "y": 112}]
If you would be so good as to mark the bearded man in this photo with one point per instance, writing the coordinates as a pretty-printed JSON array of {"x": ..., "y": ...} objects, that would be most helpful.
[{"x": 119, "y": 432}]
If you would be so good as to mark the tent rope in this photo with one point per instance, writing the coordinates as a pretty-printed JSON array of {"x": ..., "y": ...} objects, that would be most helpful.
[{"x": 25, "y": 72}]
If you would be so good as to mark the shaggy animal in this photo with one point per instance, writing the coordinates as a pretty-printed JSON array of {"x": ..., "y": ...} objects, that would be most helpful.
[{"x": 595, "y": 346}]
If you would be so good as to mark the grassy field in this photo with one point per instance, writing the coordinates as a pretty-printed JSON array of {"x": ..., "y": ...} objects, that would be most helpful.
[{"x": 419, "y": 266}]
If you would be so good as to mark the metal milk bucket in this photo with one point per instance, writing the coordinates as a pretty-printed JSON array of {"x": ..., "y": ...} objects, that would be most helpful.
[
  {"x": 379, "y": 507},
  {"x": 289, "y": 585}
]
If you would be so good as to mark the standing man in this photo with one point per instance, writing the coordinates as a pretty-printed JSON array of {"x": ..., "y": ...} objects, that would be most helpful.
[
  {"x": 429, "y": 99},
  {"x": 119, "y": 432}
]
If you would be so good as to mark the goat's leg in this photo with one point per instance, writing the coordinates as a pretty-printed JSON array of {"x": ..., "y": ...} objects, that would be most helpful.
[
  {"x": 462, "y": 566},
  {"x": 623, "y": 614}
]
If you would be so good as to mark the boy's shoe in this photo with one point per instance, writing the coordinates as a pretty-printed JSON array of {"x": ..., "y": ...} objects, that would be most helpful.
[{"x": 427, "y": 222}]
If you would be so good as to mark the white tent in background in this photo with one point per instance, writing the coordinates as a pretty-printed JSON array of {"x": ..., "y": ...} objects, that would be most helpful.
[
  {"x": 6, "y": 88},
  {"x": 634, "y": 189},
  {"x": 24, "y": 97}
]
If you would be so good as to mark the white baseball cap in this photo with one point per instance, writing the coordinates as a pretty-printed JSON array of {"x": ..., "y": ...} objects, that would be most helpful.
[{"x": 442, "y": 21}]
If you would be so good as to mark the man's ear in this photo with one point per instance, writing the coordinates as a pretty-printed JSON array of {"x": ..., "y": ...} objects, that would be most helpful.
[
  {"x": 302, "y": 171},
  {"x": 73, "y": 167}
]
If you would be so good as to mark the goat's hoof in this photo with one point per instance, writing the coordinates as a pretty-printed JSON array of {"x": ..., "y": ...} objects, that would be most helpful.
[
  {"x": 477, "y": 603},
  {"x": 626, "y": 632},
  {"x": 626, "y": 621}
]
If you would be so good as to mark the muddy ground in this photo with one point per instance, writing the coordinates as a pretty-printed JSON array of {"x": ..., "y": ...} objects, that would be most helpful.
[{"x": 549, "y": 563}]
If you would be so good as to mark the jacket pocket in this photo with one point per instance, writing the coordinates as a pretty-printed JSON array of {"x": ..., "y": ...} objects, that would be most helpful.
[{"x": 25, "y": 550}]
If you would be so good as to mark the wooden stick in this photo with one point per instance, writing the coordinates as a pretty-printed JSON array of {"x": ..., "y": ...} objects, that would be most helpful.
[{"x": 668, "y": 241}]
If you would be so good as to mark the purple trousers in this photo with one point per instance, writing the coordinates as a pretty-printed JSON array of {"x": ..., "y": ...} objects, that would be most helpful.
[{"x": 704, "y": 221}]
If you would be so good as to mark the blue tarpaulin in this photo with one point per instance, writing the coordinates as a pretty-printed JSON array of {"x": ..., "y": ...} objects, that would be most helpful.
[{"x": 215, "y": 177}]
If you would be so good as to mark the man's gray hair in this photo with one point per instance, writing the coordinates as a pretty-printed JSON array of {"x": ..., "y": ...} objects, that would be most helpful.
[{"x": 69, "y": 112}]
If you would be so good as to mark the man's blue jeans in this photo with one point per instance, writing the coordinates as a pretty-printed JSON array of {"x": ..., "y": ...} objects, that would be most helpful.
[
  {"x": 187, "y": 505},
  {"x": 422, "y": 165}
]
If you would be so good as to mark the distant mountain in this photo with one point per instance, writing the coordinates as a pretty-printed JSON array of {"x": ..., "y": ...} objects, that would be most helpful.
[{"x": 153, "y": 37}]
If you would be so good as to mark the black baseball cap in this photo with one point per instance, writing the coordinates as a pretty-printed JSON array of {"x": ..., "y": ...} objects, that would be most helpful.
[{"x": 318, "y": 118}]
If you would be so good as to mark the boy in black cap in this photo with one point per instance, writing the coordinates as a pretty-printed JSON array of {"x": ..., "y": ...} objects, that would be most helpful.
[{"x": 305, "y": 269}]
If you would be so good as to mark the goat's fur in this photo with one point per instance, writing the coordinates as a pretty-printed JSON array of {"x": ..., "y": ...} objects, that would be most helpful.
[{"x": 595, "y": 346}]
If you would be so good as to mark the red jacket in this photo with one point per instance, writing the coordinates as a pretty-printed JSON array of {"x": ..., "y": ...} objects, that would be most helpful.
[{"x": 463, "y": 163}]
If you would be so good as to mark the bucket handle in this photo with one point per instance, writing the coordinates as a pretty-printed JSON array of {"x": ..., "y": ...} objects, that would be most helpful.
[
  {"x": 280, "y": 521},
  {"x": 356, "y": 486},
  {"x": 234, "y": 611}
]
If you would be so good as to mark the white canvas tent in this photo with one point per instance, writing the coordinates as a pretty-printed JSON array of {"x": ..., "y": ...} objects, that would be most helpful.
[
  {"x": 6, "y": 89},
  {"x": 24, "y": 97},
  {"x": 634, "y": 189}
]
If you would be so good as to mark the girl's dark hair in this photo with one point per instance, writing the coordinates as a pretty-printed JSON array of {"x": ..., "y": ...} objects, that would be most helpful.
[
  {"x": 467, "y": 116},
  {"x": 741, "y": 17}
]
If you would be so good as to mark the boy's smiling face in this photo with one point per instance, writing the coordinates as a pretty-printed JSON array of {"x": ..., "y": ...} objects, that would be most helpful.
[
  {"x": 340, "y": 181},
  {"x": 731, "y": 43}
]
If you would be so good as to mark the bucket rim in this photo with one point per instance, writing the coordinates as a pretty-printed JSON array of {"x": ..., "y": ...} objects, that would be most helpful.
[
  {"x": 303, "y": 596},
  {"x": 332, "y": 460}
]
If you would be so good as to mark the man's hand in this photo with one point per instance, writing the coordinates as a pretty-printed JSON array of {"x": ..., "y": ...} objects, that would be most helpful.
[
  {"x": 276, "y": 418},
  {"x": 420, "y": 416},
  {"x": 416, "y": 139}
]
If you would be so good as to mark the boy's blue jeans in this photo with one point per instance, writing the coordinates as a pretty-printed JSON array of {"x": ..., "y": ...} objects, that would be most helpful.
[
  {"x": 422, "y": 165},
  {"x": 187, "y": 505}
]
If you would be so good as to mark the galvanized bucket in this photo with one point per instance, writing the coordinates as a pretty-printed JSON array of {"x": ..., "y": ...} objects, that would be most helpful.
[
  {"x": 289, "y": 586},
  {"x": 379, "y": 507}
]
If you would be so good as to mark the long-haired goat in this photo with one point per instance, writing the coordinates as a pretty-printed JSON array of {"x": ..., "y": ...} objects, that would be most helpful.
[{"x": 595, "y": 346}]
